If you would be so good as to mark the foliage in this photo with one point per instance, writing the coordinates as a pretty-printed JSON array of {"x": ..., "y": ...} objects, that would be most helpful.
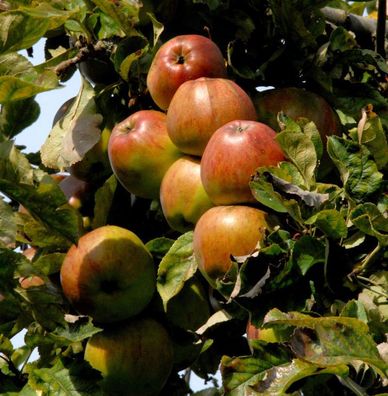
[{"x": 322, "y": 282}]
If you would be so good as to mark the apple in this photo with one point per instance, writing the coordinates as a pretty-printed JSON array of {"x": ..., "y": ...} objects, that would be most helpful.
[
  {"x": 231, "y": 157},
  {"x": 225, "y": 231},
  {"x": 109, "y": 274},
  {"x": 182, "y": 196},
  {"x": 182, "y": 58},
  {"x": 140, "y": 152},
  {"x": 200, "y": 107},
  {"x": 135, "y": 358},
  {"x": 299, "y": 103}
]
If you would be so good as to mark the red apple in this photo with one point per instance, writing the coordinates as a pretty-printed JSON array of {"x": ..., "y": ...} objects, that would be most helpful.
[
  {"x": 182, "y": 196},
  {"x": 299, "y": 103},
  {"x": 200, "y": 107},
  {"x": 109, "y": 274},
  {"x": 182, "y": 58},
  {"x": 231, "y": 157},
  {"x": 225, "y": 231},
  {"x": 135, "y": 358},
  {"x": 140, "y": 152}
]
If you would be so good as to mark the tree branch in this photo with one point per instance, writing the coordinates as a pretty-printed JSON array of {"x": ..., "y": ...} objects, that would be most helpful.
[{"x": 381, "y": 29}]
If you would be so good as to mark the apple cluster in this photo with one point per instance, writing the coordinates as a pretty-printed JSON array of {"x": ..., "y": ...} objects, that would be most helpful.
[{"x": 196, "y": 154}]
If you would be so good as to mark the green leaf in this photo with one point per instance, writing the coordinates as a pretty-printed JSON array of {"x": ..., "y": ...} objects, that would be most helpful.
[
  {"x": 176, "y": 267},
  {"x": 49, "y": 264},
  {"x": 124, "y": 12},
  {"x": 23, "y": 27},
  {"x": 20, "y": 80},
  {"x": 103, "y": 202},
  {"x": 76, "y": 379},
  {"x": 48, "y": 204},
  {"x": 357, "y": 168},
  {"x": 328, "y": 341},
  {"x": 16, "y": 116},
  {"x": 355, "y": 309},
  {"x": 367, "y": 218},
  {"x": 330, "y": 222},
  {"x": 307, "y": 252},
  {"x": 159, "y": 247},
  {"x": 300, "y": 150},
  {"x": 75, "y": 134},
  {"x": 8, "y": 226},
  {"x": 81, "y": 329},
  {"x": 14, "y": 166}
]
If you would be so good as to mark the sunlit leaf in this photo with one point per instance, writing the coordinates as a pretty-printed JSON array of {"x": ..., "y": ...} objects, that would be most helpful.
[
  {"x": 103, "y": 202},
  {"x": 307, "y": 252},
  {"x": 7, "y": 224},
  {"x": 75, "y": 134},
  {"x": 330, "y": 222}
]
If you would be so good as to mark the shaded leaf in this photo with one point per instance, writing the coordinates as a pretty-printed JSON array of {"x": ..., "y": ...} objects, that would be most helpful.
[
  {"x": 307, "y": 252},
  {"x": 358, "y": 170},
  {"x": 75, "y": 134},
  {"x": 176, "y": 267},
  {"x": 49, "y": 264},
  {"x": 159, "y": 247},
  {"x": 15, "y": 116},
  {"x": 103, "y": 202}
]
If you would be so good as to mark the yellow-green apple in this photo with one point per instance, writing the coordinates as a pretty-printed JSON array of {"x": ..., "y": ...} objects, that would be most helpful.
[
  {"x": 199, "y": 107},
  {"x": 109, "y": 274},
  {"x": 225, "y": 231},
  {"x": 299, "y": 103},
  {"x": 134, "y": 358},
  {"x": 231, "y": 157},
  {"x": 182, "y": 58},
  {"x": 140, "y": 152},
  {"x": 182, "y": 196}
]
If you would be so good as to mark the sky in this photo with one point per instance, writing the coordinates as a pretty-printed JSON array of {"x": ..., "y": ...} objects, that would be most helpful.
[{"x": 34, "y": 136}]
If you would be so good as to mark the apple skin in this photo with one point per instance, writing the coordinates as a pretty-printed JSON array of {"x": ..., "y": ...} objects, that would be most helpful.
[
  {"x": 140, "y": 152},
  {"x": 231, "y": 157},
  {"x": 182, "y": 196},
  {"x": 299, "y": 103},
  {"x": 223, "y": 231},
  {"x": 108, "y": 275},
  {"x": 182, "y": 58},
  {"x": 135, "y": 358},
  {"x": 200, "y": 107}
]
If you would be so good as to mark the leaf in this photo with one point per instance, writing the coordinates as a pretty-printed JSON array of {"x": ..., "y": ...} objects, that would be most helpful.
[
  {"x": 77, "y": 331},
  {"x": 46, "y": 203},
  {"x": 7, "y": 224},
  {"x": 103, "y": 202},
  {"x": 307, "y": 252},
  {"x": 330, "y": 222},
  {"x": 330, "y": 340},
  {"x": 368, "y": 218},
  {"x": 217, "y": 318},
  {"x": 357, "y": 168},
  {"x": 14, "y": 166},
  {"x": 159, "y": 247},
  {"x": 176, "y": 267},
  {"x": 75, "y": 134},
  {"x": 301, "y": 152},
  {"x": 76, "y": 379},
  {"x": 124, "y": 12},
  {"x": 49, "y": 264},
  {"x": 23, "y": 27},
  {"x": 18, "y": 115}
]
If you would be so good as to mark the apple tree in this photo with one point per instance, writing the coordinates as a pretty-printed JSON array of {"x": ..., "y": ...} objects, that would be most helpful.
[{"x": 128, "y": 264}]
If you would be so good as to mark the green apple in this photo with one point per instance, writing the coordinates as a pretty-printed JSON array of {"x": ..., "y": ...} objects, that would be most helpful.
[
  {"x": 182, "y": 195},
  {"x": 135, "y": 358},
  {"x": 109, "y": 274}
]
